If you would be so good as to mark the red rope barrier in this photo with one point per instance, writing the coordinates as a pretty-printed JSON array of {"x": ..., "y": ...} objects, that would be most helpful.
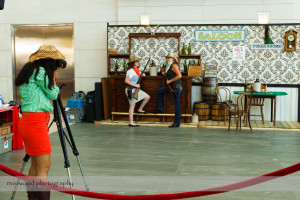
[{"x": 183, "y": 195}]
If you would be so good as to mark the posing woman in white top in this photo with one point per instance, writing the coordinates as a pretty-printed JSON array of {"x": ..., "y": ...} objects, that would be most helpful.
[{"x": 132, "y": 77}]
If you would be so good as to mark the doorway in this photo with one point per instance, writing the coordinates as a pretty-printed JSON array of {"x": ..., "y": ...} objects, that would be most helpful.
[{"x": 28, "y": 38}]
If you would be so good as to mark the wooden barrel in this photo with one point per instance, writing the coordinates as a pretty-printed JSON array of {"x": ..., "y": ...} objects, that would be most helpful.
[
  {"x": 218, "y": 112},
  {"x": 203, "y": 110},
  {"x": 209, "y": 87}
]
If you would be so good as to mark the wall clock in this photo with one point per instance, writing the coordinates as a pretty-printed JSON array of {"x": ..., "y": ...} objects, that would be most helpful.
[{"x": 290, "y": 41}]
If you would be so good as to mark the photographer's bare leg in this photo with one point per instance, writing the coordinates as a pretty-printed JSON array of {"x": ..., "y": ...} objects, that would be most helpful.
[
  {"x": 32, "y": 170},
  {"x": 39, "y": 168},
  {"x": 42, "y": 166},
  {"x": 42, "y": 169}
]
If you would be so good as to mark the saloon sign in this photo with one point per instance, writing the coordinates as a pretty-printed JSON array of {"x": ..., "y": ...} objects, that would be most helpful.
[{"x": 220, "y": 35}]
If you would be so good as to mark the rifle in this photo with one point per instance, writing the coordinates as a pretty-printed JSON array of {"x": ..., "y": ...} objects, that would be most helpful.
[
  {"x": 136, "y": 92},
  {"x": 172, "y": 91}
]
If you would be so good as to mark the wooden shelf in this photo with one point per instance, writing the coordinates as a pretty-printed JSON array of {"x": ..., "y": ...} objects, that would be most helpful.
[
  {"x": 118, "y": 55},
  {"x": 155, "y": 35},
  {"x": 190, "y": 56}
]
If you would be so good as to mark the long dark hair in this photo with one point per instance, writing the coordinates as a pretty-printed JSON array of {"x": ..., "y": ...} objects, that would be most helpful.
[
  {"x": 49, "y": 65},
  {"x": 130, "y": 65}
]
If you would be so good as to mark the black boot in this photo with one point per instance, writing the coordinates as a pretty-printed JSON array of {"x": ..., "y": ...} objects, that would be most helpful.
[
  {"x": 43, "y": 195},
  {"x": 158, "y": 111},
  {"x": 31, "y": 194},
  {"x": 174, "y": 125}
]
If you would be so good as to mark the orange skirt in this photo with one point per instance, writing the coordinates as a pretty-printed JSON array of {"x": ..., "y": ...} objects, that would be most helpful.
[{"x": 35, "y": 133}]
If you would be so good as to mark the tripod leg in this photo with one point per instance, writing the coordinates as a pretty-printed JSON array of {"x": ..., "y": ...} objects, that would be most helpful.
[
  {"x": 73, "y": 145},
  {"x": 62, "y": 140},
  {"x": 25, "y": 160},
  {"x": 82, "y": 173},
  {"x": 50, "y": 124},
  {"x": 70, "y": 180}
]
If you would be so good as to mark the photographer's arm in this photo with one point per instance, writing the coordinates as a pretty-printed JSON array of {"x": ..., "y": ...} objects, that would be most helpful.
[{"x": 40, "y": 80}]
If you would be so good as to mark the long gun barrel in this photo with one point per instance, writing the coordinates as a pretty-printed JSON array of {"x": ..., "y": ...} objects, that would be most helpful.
[{"x": 136, "y": 92}]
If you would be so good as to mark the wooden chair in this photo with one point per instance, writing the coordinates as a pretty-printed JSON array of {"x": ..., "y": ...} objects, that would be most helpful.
[
  {"x": 259, "y": 101},
  {"x": 223, "y": 100},
  {"x": 241, "y": 111}
]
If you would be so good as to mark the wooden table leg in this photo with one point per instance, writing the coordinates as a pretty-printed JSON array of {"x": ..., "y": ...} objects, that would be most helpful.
[
  {"x": 271, "y": 109},
  {"x": 274, "y": 122}
]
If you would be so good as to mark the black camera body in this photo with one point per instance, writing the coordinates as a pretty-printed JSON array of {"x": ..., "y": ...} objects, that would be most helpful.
[{"x": 1, "y": 4}]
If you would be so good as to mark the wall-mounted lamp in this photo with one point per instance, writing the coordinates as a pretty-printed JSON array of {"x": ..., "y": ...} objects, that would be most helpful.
[
  {"x": 145, "y": 20},
  {"x": 263, "y": 17}
]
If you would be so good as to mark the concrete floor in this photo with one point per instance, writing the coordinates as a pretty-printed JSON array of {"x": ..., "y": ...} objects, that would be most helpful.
[{"x": 109, "y": 150}]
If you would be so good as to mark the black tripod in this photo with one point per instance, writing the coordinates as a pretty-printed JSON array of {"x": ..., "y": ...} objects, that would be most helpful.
[{"x": 58, "y": 107}]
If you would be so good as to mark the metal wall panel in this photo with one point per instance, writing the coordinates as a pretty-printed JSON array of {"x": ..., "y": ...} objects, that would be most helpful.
[{"x": 28, "y": 38}]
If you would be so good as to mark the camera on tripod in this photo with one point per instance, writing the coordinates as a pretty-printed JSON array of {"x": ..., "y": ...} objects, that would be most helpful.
[{"x": 61, "y": 63}]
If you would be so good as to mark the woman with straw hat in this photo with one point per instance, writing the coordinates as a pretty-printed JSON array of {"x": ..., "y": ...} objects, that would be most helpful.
[
  {"x": 173, "y": 76},
  {"x": 37, "y": 86},
  {"x": 132, "y": 77}
]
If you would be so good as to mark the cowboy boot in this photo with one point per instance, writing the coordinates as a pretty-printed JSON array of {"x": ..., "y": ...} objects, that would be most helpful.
[
  {"x": 43, "y": 195},
  {"x": 31, "y": 194}
]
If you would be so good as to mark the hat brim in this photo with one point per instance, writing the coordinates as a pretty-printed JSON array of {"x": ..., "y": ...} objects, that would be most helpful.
[
  {"x": 37, "y": 56},
  {"x": 135, "y": 60},
  {"x": 172, "y": 57}
]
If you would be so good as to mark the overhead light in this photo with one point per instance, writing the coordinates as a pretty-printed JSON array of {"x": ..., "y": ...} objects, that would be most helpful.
[
  {"x": 145, "y": 20},
  {"x": 263, "y": 18}
]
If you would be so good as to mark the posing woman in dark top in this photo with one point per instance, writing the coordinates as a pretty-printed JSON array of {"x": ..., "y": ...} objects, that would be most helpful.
[{"x": 173, "y": 75}]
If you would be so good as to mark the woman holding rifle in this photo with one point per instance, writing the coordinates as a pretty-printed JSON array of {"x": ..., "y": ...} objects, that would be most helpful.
[
  {"x": 173, "y": 76},
  {"x": 132, "y": 76}
]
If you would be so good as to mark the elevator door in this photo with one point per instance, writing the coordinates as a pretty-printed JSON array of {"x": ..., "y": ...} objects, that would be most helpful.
[{"x": 27, "y": 39}]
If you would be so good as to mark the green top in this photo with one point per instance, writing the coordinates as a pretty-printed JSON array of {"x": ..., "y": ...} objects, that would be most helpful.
[
  {"x": 35, "y": 97},
  {"x": 263, "y": 93}
]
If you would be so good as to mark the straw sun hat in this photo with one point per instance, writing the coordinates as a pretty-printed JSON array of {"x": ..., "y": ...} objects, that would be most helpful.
[
  {"x": 133, "y": 59},
  {"x": 171, "y": 55},
  {"x": 46, "y": 51}
]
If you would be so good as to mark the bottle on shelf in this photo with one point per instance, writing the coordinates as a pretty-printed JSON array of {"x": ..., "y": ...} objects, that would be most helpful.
[
  {"x": 124, "y": 65},
  {"x": 153, "y": 64},
  {"x": 196, "y": 63},
  {"x": 116, "y": 66},
  {"x": 183, "y": 50},
  {"x": 245, "y": 86},
  {"x": 186, "y": 66},
  {"x": 189, "y": 49}
]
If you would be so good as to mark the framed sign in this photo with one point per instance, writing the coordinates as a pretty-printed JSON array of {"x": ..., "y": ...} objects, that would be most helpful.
[
  {"x": 256, "y": 46},
  {"x": 238, "y": 53},
  {"x": 220, "y": 35}
]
